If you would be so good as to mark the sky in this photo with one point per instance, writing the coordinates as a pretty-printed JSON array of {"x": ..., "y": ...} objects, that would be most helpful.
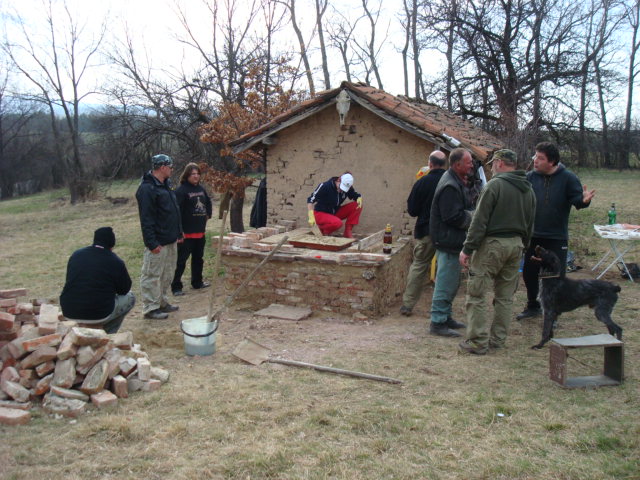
[{"x": 155, "y": 29}]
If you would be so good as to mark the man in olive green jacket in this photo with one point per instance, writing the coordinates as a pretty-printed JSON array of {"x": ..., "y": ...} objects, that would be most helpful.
[{"x": 500, "y": 229}]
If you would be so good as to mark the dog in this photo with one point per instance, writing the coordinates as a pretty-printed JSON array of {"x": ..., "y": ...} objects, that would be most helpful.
[{"x": 559, "y": 294}]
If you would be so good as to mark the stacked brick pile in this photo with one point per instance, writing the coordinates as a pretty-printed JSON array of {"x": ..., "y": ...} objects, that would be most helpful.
[{"x": 61, "y": 366}]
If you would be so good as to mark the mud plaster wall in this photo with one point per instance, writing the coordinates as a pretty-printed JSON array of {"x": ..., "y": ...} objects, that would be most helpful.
[
  {"x": 322, "y": 285},
  {"x": 382, "y": 157}
]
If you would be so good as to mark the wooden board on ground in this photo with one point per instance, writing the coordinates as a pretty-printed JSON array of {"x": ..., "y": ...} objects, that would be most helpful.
[
  {"x": 285, "y": 312},
  {"x": 329, "y": 243}
]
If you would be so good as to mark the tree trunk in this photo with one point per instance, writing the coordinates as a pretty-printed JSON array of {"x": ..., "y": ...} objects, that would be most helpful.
[{"x": 235, "y": 214}]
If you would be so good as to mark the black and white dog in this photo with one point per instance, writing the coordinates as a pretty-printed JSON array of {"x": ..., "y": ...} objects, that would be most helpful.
[{"x": 559, "y": 294}]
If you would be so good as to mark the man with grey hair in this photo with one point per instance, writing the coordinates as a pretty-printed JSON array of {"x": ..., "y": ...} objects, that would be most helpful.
[
  {"x": 161, "y": 231},
  {"x": 450, "y": 217},
  {"x": 500, "y": 229},
  {"x": 419, "y": 205}
]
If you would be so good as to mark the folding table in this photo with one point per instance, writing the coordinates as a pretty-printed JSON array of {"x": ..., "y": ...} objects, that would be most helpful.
[{"x": 616, "y": 234}]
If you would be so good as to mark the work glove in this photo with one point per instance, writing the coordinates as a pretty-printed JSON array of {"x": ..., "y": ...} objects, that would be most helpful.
[
  {"x": 312, "y": 218},
  {"x": 359, "y": 202}
]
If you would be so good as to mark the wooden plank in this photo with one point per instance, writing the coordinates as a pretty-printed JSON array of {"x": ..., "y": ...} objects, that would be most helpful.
[
  {"x": 371, "y": 240},
  {"x": 603, "y": 340}
]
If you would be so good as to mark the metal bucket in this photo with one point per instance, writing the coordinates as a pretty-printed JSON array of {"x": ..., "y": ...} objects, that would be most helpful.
[{"x": 199, "y": 336}]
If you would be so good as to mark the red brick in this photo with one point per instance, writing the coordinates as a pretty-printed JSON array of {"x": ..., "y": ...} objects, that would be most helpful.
[
  {"x": 119, "y": 386},
  {"x": 45, "y": 368},
  {"x": 25, "y": 308},
  {"x": 11, "y": 416},
  {"x": 43, "y": 385},
  {"x": 67, "y": 407},
  {"x": 16, "y": 391},
  {"x": 67, "y": 348},
  {"x": 104, "y": 399},
  {"x": 52, "y": 340},
  {"x": 96, "y": 378},
  {"x": 9, "y": 374},
  {"x": 13, "y": 293},
  {"x": 7, "y": 302},
  {"x": 10, "y": 334},
  {"x": 90, "y": 336},
  {"x": 7, "y": 321},
  {"x": 42, "y": 354}
]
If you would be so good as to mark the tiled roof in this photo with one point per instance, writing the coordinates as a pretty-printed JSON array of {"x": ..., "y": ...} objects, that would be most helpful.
[{"x": 423, "y": 118}]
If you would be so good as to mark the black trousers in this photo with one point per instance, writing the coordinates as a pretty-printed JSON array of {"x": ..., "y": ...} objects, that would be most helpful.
[
  {"x": 531, "y": 270},
  {"x": 193, "y": 247}
]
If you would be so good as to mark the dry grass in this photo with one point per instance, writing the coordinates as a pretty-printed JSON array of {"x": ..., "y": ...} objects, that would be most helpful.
[{"x": 219, "y": 418}]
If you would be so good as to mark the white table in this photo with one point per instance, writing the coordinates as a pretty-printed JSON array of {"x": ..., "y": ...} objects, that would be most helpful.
[{"x": 616, "y": 234}]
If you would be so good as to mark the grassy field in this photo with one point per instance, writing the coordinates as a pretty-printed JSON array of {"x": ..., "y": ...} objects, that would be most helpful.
[{"x": 454, "y": 417}]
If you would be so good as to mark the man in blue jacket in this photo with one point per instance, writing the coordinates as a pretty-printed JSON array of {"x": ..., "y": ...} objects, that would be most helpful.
[
  {"x": 161, "y": 231},
  {"x": 556, "y": 189}
]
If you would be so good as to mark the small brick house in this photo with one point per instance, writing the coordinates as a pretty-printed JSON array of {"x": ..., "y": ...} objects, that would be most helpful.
[{"x": 381, "y": 139}]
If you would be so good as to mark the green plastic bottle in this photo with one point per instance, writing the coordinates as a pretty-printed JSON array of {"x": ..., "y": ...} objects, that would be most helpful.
[{"x": 612, "y": 214}]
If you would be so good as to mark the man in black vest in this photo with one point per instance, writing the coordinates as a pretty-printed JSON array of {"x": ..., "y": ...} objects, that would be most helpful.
[{"x": 451, "y": 212}]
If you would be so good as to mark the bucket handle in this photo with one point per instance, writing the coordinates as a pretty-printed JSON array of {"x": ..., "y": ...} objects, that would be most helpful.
[{"x": 215, "y": 328}]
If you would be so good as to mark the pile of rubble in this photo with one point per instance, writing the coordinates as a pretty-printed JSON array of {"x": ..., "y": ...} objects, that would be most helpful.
[{"x": 48, "y": 361}]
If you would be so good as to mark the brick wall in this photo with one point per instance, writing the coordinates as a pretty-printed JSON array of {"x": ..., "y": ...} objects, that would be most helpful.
[{"x": 343, "y": 282}]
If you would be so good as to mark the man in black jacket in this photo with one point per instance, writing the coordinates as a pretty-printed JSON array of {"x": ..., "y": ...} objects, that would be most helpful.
[
  {"x": 97, "y": 288},
  {"x": 161, "y": 231},
  {"x": 556, "y": 189},
  {"x": 419, "y": 205},
  {"x": 451, "y": 212}
]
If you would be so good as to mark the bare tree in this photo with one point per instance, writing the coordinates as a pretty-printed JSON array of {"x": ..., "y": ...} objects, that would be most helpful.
[
  {"x": 321, "y": 8},
  {"x": 633, "y": 19},
  {"x": 291, "y": 6},
  {"x": 341, "y": 31},
  {"x": 370, "y": 50},
  {"x": 56, "y": 69}
]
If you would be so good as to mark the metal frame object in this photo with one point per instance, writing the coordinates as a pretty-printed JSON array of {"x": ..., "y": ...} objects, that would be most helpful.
[{"x": 614, "y": 236}]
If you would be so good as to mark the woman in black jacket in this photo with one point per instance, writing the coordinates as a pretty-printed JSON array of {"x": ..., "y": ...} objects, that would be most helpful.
[{"x": 195, "y": 209}]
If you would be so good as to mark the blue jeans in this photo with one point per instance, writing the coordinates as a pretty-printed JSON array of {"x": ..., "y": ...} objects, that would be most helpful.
[{"x": 447, "y": 284}]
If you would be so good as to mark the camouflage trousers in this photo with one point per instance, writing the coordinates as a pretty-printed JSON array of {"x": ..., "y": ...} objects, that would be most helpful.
[
  {"x": 418, "y": 275},
  {"x": 157, "y": 274},
  {"x": 494, "y": 266}
]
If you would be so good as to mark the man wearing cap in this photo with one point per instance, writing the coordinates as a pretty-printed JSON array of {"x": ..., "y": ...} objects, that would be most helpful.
[
  {"x": 97, "y": 287},
  {"x": 161, "y": 231},
  {"x": 326, "y": 209},
  {"x": 500, "y": 229},
  {"x": 419, "y": 205}
]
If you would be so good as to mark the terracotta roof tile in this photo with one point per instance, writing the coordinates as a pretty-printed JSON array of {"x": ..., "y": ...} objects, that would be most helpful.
[{"x": 427, "y": 117}]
